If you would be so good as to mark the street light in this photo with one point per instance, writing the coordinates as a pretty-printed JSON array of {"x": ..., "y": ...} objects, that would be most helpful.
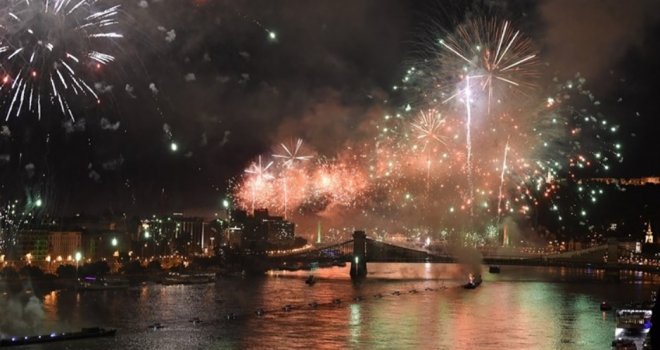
[
  {"x": 114, "y": 242},
  {"x": 78, "y": 258},
  {"x": 225, "y": 203},
  {"x": 38, "y": 203}
]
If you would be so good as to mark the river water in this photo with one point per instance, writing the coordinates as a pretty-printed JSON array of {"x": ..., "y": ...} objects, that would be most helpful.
[{"x": 520, "y": 308}]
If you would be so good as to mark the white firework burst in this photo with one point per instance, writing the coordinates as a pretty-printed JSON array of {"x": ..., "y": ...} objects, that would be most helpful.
[{"x": 50, "y": 50}]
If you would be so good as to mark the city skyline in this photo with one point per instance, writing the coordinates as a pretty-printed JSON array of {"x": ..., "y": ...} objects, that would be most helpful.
[{"x": 404, "y": 174}]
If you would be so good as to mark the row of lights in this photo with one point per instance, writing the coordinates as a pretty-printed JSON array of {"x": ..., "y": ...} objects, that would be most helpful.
[{"x": 77, "y": 256}]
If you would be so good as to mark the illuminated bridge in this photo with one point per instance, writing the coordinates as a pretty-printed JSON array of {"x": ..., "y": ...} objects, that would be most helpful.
[{"x": 361, "y": 250}]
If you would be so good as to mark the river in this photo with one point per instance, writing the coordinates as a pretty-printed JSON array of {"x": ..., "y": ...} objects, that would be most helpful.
[{"x": 520, "y": 308}]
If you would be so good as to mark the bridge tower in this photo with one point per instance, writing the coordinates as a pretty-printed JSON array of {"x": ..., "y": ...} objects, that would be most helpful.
[
  {"x": 612, "y": 252},
  {"x": 359, "y": 261},
  {"x": 612, "y": 267}
]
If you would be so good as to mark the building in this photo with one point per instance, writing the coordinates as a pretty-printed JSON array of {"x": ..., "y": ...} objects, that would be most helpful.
[
  {"x": 175, "y": 234},
  {"x": 261, "y": 230},
  {"x": 32, "y": 243},
  {"x": 649, "y": 235},
  {"x": 65, "y": 245},
  {"x": 650, "y": 247}
]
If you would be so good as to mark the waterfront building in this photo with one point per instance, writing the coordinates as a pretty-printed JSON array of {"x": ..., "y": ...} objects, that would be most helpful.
[
  {"x": 261, "y": 230},
  {"x": 176, "y": 234},
  {"x": 649, "y": 235},
  {"x": 32, "y": 244},
  {"x": 64, "y": 244}
]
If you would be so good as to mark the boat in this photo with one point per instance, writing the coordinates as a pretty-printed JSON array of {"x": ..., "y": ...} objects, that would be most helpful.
[
  {"x": 175, "y": 278},
  {"x": 311, "y": 280},
  {"x": 91, "y": 283},
  {"x": 494, "y": 269},
  {"x": 339, "y": 263},
  {"x": 473, "y": 281},
  {"x": 156, "y": 326},
  {"x": 633, "y": 321},
  {"x": 624, "y": 344},
  {"x": 292, "y": 268},
  {"x": 94, "y": 332}
]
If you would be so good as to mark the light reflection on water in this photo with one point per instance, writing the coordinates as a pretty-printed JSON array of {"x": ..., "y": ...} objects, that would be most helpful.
[{"x": 520, "y": 308}]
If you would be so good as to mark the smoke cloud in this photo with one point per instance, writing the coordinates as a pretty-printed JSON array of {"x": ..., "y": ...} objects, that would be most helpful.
[{"x": 590, "y": 37}]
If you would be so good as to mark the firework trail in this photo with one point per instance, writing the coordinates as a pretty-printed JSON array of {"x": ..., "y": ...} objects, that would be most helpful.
[
  {"x": 499, "y": 195},
  {"x": 292, "y": 155},
  {"x": 51, "y": 49},
  {"x": 468, "y": 138},
  {"x": 489, "y": 58},
  {"x": 429, "y": 129},
  {"x": 260, "y": 175}
]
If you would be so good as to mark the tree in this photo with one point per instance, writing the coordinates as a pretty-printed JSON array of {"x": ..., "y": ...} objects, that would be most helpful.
[
  {"x": 154, "y": 266},
  {"x": 133, "y": 268},
  {"x": 66, "y": 271},
  {"x": 32, "y": 271},
  {"x": 12, "y": 280},
  {"x": 99, "y": 268}
]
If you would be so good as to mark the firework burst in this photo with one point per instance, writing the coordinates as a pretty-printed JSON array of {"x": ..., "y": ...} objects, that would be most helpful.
[
  {"x": 492, "y": 55},
  {"x": 259, "y": 176},
  {"x": 519, "y": 158},
  {"x": 50, "y": 50},
  {"x": 429, "y": 128},
  {"x": 292, "y": 153}
]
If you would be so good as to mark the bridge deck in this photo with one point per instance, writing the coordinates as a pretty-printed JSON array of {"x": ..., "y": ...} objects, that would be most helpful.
[{"x": 378, "y": 251}]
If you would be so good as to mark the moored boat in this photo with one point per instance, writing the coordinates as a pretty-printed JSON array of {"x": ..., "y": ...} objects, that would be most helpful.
[
  {"x": 633, "y": 321},
  {"x": 174, "y": 278},
  {"x": 100, "y": 283},
  {"x": 623, "y": 344},
  {"x": 94, "y": 332}
]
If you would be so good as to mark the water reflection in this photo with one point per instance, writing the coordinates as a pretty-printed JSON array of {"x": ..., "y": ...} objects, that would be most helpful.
[{"x": 520, "y": 308}]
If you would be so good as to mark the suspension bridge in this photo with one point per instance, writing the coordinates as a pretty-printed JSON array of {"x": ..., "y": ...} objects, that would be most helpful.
[{"x": 362, "y": 250}]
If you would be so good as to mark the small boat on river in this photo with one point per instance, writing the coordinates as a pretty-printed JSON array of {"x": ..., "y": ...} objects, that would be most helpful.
[
  {"x": 473, "y": 282},
  {"x": 201, "y": 278},
  {"x": 311, "y": 280}
]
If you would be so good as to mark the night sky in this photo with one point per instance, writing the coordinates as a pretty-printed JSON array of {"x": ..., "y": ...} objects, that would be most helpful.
[{"x": 208, "y": 76}]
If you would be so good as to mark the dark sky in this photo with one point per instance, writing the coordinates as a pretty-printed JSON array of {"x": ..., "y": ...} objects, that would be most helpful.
[{"x": 205, "y": 74}]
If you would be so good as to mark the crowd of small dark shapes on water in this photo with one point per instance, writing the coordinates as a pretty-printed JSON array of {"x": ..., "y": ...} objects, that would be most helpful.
[{"x": 288, "y": 308}]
